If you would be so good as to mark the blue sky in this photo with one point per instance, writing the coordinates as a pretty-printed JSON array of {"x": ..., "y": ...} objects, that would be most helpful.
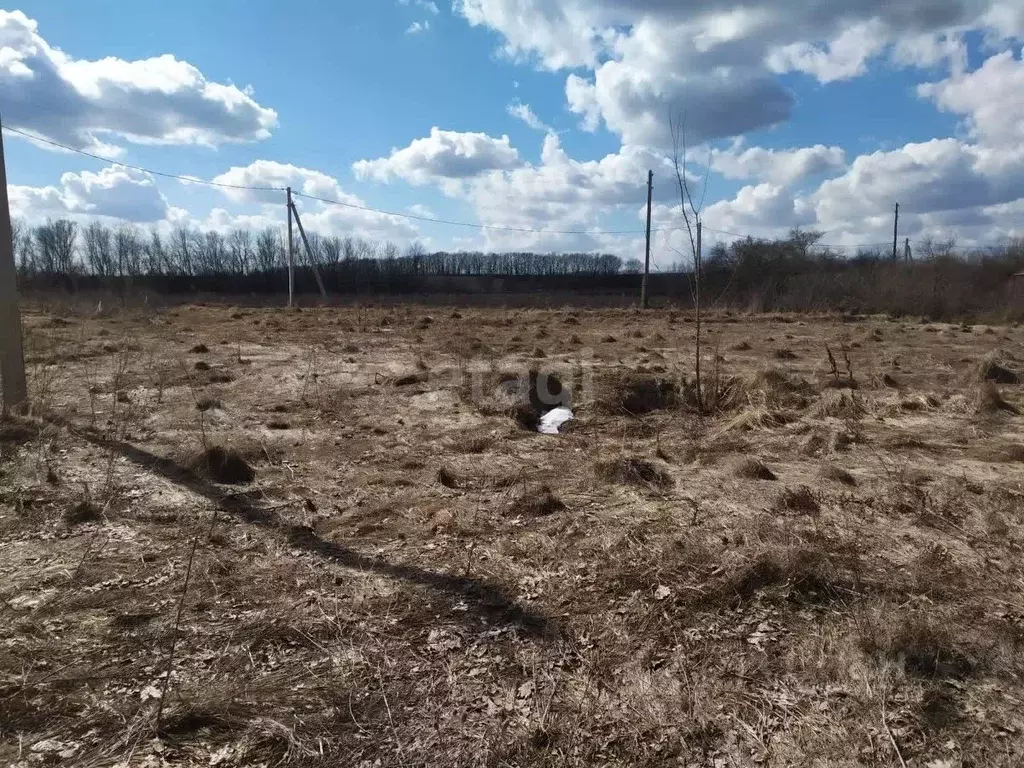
[{"x": 813, "y": 121}]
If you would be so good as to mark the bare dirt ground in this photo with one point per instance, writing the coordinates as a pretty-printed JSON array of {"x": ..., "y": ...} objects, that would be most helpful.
[{"x": 819, "y": 572}]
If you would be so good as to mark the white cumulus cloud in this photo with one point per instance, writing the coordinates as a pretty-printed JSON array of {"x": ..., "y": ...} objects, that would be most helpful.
[
  {"x": 113, "y": 192},
  {"x": 441, "y": 155},
  {"x": 719, "y": 59},
  {"x": 78, "y": 102},
  {"x": 784, "y": 166},
  {"x": 345, "y": 214}
]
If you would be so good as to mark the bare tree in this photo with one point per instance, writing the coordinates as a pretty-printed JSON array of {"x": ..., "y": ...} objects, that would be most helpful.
[
  {"x": 415, "y": 253},
  {"x": 55, "y": 243},
  {"x": 182, "y": 252},
  {"x": 128, "y": 245},
  {"x": 99, "y": 257},
  {"x": 267, "y": 249},
  {"x": 156, "y": 255},
  {"x": 24, "y": 247},
  {"x": 691, "y": 210},
  {"x": 240, "y": 253}
]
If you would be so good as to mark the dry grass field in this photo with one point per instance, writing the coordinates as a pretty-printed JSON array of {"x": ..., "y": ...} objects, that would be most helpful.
[{"x": 259, "y": 537}]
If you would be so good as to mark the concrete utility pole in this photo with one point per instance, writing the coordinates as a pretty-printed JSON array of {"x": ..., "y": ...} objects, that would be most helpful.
[
  {"x": 12, "y": 359},
  {"x": 309, "y": 253},
  {"x": 291, "y": 269},
  {"x": 647, "y": 250},
  {"x": 895, "y": 231}
]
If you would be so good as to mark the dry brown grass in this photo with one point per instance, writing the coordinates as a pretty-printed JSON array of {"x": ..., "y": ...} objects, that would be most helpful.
[
  {"x": 410, "y": 577},
  {"x": 638, "y": 394},
  {"x": 633, "y": 470},
  {"x": 989, "y": 400},
  {"x": 754, "y": 469},
  {"x": 838, "y": 475}
]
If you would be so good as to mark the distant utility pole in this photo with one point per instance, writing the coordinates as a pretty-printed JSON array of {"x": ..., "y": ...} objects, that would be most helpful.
[
  {"x": 895, "y": 231},
  {"x": 12, "y": 359},
  {"x": 291, "y": 273},
  {"x": 647, "y": 250}
]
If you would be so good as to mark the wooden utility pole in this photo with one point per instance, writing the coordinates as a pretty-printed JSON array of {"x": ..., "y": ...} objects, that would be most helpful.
[
  {"x": 291, "y": 265},
  {"x": 309, "y": 252},
  {"x": 12, "y": 359},
  {"x": 895, "y": 231},
  {"x": 647, "y": 249}
]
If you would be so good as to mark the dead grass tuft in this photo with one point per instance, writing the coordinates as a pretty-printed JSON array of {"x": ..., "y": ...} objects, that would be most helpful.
[
  {"x": 919, "y": 402},
  {"x": 838, "y": 475},
  {"x": 223, "y": 466},
  {"x": 199, "y": 349},
  {"x": 754, "y": 469},
  {"x": 771, "y": 388},
  {"x": 800, "y": 500},
  {"x": 14, "y": 432},
  {"x": 923, "y": 644},
  {"x": 755, "y": 419},
  {"x": 538, "y": 502},
  {"x": 447, "y": 478},
  {"x": 784, "y": 354},
  {"x": 634, "y": 471},
  {"x": 85, "y": 511},
  {"x": 409, "y": 379},
  {"x": 207, "y": 402},
  {"x": 220, "y": 377},
  {"x": 201, "y": 365},
  {"x": 1006, "y": 453},
  {"x": 839, "y": 404},
  {"x": 479, "y": 444},
  {"x": 989, "y": 400},
  {"x": 806, "y": 575},
  {"x": 992, "y": 369},
  {"x": 638, "y": 394},
  {"x": 741, "y": 347}
]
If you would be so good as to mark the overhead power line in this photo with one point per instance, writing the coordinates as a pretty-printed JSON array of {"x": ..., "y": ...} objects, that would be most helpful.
[
  {"x": 473, "y": 225},
  {"x": 415, "y": 217},
  {"x": 190, "y": 179}
]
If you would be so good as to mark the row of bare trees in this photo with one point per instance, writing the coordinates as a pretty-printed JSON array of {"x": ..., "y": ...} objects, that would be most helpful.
[{"x": 62, "y": 247}]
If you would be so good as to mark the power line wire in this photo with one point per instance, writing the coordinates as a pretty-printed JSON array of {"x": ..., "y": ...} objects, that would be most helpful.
[
  {"x": 473, "y": 225},
  {"x": 190, "y": 179},
  {"x": 415, "y": 217}
]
